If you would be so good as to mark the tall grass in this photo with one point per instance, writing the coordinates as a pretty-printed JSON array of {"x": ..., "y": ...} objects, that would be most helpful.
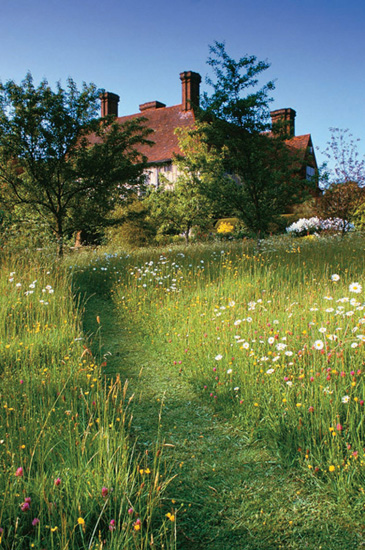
[
  {"x": 70, "y": 476},
  {"x": 271, "y": 337}
]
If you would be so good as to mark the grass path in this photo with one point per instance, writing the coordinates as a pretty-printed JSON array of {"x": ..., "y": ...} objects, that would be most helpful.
[{"x": 229, "y": 492}]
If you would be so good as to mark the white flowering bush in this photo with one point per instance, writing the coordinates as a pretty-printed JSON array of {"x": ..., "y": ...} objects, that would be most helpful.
[
  {"x": 305, "y": 226},
  {"x": 308, "y": 226}
]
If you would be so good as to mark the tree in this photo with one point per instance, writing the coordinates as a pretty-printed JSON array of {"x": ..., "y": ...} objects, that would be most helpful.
[
  {"x": 237, "y": 112},
  {"x": 193, "y": 199},
  {"x": 346, "y": 165},
  {"x": 344, "y": 181},
  {"x": 62, "y": 162}
]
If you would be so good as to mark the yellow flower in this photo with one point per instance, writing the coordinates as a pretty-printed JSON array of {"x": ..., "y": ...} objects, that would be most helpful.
[
  {"x": 80, "y": 521},
  {"x": 332, "y": 468}
]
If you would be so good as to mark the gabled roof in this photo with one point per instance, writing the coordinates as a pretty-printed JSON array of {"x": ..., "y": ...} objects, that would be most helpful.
[
  {"x": 302, "y": 144},
  {"x": 163, "y": 121}
]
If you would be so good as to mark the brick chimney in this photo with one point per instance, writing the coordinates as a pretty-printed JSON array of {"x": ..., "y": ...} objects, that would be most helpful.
[
  {"x": 109, "y": 104},
  {"x": 282, "y": 121},
  {"x": 190, "y": 90}
]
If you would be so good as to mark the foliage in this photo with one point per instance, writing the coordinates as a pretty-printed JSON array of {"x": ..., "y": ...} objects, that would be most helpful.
[
  {"x": 266, "y": 172},
  {"x": 341, "y": 200},
  {"x": 61, "y": 162},
  {"x": 191, "y": 200},
  {"x": 358, "y": 217},
  {"x": 130, "y": 226}
]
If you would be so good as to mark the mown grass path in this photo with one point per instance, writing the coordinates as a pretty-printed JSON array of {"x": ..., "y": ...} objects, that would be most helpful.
[{"x": 229, "y": 492}]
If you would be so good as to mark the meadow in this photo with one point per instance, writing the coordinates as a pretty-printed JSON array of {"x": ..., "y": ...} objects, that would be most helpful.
[
  {"x": 247, "y": 351},
  {"x": 70, "y": 476}
]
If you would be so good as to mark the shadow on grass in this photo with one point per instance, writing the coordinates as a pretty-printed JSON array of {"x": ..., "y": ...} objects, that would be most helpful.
[{"x": 229, "y": 492}]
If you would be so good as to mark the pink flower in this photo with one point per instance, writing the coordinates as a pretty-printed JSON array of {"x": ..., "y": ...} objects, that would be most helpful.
[
  {"x": 112, "y": 525},
  {"x": 19, "y": 472},
  {"x": 343, "y": 374},
  {"x": 57, "y": 482},
  {"x": 339, "y": 427},
  {"x": 104, "y": 492},
  {"x": 130, "y": 511},
  {"x": 312, "y": 378},
  {"x": 35, "y": 522},
  {"x": 25, "y": 506},
  {"x": 311, "y": 409}
]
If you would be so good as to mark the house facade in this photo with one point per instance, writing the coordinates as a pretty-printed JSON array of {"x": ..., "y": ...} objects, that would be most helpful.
[{"x": 164, "y": 120}]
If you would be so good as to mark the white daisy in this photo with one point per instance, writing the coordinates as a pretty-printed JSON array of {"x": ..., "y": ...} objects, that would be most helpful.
[{"x": 355, "y": 287}]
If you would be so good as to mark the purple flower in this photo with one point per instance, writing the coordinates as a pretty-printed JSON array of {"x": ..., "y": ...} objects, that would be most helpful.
[
  {"x": 25, "y": 506},
  {"x": 57, "y": 482},
  {"x": 35, "y": 522},
  {"x": 104, "y": 492}
]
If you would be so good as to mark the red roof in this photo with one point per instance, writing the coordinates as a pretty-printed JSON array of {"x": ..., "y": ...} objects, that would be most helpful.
[{"x": 163, "y": 121}]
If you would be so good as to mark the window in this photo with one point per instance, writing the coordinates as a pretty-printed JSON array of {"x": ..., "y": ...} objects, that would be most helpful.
[{"x": 309, "y": 172}]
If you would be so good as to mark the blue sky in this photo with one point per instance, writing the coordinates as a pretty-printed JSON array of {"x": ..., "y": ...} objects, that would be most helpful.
[{"x": 138, "y": 48}]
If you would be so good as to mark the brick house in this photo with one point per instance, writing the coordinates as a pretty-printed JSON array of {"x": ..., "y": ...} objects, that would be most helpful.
[{"x": 164, "y": 120}]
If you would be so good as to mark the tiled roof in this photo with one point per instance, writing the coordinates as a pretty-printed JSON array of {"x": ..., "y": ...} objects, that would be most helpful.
[
  {"x": 300, "y": 143},
  {"x": 163, "y": 121}
]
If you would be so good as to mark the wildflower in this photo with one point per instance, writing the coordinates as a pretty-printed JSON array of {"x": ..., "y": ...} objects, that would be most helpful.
[
  {"x": 229, "y": 371},
  {"x": 35, "y": 522},
  {"x": 270, "y": 371},
  {"x": 130, "y": 511},
  {"x": 112, "y": 525},
  {"x": 57, "y": 482},
  {"x": 355, "y": 287},
  {"x": 104, "y": 492},
  {"x": 81, "y": 521},
  {"x": 311, "y": 409},
  {"x": 345, "y": 399},
  {"x": 218, "y": 357},
  {"x": 19, "y": 472},
  {"x": 339, "y": 427},
  {"x": 25, "y": 506},
  {"x": 271, "y": 340},
  {"x": 170, "y": 516},
  {"x": 332, "y": 468},
  {"x": 335, "y": 277},
  {"x": 318, "y": 344},
  {"x": 137, "y": 525}
]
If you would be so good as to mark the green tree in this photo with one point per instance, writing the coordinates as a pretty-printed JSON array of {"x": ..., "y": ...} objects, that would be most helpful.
[
  {"x": 193, "y": 199},
  {"x": 62, "y": 162},
  {"x": 265, "y": 168}
]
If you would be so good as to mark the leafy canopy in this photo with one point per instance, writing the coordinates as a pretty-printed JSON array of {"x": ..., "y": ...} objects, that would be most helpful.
[
  {"x": 265, "y": 170},
  {"x": 61, "y": 161}
]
